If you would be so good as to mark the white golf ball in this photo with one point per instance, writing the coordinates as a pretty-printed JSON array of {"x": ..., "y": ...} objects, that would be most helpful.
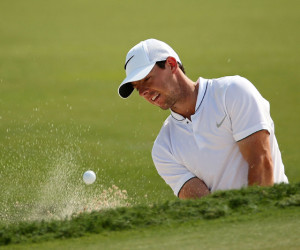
[{"x": 89, "y": 177}]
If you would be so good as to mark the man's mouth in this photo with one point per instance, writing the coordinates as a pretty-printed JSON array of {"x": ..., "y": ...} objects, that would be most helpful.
[{"x": 154, "y": 97}]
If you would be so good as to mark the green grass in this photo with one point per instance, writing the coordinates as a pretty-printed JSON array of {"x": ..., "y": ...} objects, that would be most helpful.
[
  {"x": 60, "y": 66},
  {"x": 232, "y": 204},
  {"x": 258, "y": 231}
]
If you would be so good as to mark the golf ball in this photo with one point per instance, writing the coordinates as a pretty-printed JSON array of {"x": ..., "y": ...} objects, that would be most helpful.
[{"x": 89, "y": 177}]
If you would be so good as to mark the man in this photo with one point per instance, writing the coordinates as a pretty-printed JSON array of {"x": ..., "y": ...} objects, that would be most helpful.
[{"x": 219, "y": 135}]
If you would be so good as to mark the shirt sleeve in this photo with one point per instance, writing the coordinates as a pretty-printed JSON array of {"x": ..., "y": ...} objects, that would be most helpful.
[
  {"x": 173, "y": 173},
  {"x": 248, "y": 110}
]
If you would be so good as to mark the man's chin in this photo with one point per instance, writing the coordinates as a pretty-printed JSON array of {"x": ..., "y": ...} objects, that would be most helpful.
[{"x": 164, "y": 108}]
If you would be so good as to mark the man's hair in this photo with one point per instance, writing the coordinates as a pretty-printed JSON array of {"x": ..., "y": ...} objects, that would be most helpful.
[{"x": 161, "y": 64}]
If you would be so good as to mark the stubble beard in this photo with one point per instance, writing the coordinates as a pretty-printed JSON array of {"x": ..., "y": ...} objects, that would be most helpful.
[{"x": 170, "y": 101}]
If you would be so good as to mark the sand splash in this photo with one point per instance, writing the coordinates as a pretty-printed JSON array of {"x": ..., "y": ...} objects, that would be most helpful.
[
  {"x": 61, "y": 197},
  {"x": 41, "y": 176}
]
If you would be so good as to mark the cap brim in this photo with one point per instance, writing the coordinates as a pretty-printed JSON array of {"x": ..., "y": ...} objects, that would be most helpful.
[{"x": 126, "y": 88}]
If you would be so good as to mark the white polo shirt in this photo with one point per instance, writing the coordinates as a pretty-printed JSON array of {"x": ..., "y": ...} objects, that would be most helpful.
[{"x": 228, "y": 109}]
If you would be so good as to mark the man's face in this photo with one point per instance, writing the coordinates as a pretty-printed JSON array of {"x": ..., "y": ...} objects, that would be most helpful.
[{"x": 159, "y": 87}]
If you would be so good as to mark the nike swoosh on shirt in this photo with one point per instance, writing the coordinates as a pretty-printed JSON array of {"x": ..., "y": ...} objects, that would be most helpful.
[
  {"x": 127, "y": 62},
  {"x": 219, "y": 124}
]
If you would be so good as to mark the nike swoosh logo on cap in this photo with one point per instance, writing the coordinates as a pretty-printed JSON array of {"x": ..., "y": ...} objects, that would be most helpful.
[{"x": 127, "y": 62}]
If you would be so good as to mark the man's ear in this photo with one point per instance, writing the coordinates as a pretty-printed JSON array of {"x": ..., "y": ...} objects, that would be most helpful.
[{"x": 171, "y": 61}]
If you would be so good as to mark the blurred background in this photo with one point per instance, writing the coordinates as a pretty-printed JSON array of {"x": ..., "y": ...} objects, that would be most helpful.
[{"x": 61, "y": 63}]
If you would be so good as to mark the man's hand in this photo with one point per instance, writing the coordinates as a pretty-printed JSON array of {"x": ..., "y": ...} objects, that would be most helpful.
[
  {"x": 193, "y": 189},
  {"x": 257, "y": 152}
]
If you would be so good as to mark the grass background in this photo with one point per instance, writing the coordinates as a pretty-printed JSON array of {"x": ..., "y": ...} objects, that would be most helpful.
[
  {"x": 266, "y": 231},
  {"x": 60, "y": 66},
  {"x": 277, "y": 204}
]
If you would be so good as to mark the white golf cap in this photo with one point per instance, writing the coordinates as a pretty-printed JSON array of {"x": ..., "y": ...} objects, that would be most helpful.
[{"x": 141, "y": 59}]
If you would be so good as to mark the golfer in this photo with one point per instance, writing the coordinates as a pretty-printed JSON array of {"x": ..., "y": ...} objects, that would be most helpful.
[{"x": 219, "y": 134}]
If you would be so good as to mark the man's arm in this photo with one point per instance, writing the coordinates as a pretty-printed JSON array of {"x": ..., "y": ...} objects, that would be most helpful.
[
  {"x": 257, "y": 152},
  {"x": 194, "y": 188}
]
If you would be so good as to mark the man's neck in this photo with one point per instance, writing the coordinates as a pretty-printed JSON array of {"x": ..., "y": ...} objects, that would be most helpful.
[{"x": 186, "y": 105}]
